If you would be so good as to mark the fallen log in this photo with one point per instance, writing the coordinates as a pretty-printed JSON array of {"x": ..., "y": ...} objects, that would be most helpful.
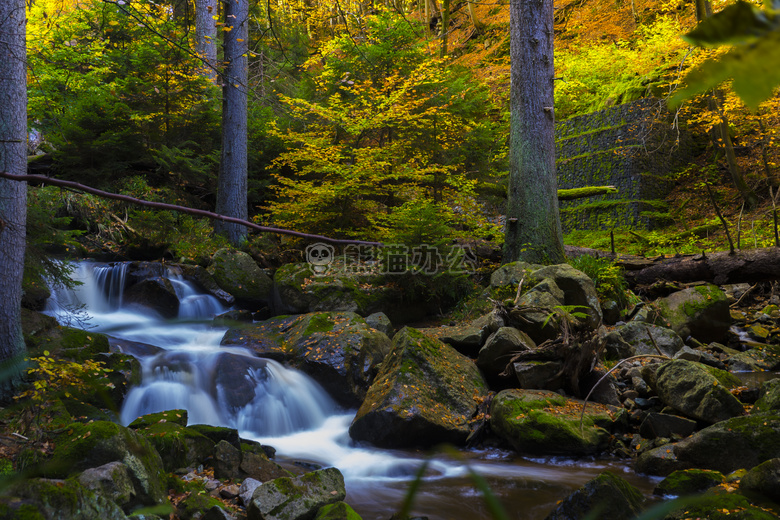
[{"x": 722, "y": 267}]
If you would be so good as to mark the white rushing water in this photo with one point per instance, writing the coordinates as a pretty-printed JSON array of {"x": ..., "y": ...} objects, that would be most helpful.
[{"x": 292, "y": 413}]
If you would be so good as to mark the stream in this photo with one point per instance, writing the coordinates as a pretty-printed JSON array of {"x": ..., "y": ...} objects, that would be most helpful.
[{"x": 292, "y": 413}]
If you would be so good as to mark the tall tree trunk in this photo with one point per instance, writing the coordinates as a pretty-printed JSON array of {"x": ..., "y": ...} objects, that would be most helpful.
[
  {"x": 13, "y": 195},
  {"x": 232, "y": 190},
  {"x": 206, "y": 12},
  {"x": 533, "y": 229},
  {"x": 445, "y": 26}
]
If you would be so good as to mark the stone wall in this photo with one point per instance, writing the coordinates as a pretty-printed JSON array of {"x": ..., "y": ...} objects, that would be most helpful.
[{"x": 633, "y": 147}]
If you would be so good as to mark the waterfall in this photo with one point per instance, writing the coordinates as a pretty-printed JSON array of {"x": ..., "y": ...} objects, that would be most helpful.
[{"x": 281, "y": 407}]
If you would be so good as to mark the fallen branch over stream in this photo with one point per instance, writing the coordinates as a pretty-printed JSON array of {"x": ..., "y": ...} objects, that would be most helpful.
[{"x": 42, "y": 179}]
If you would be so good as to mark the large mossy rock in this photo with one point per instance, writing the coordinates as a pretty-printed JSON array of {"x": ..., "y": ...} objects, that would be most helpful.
[
  {"x": 606, "y": 496},
  {"x": 113, "y": 481},
  {"x": 764, "y": 480},
  {"x": 83, "y": 446},
  {"x": 297, "y": 290},
  {"x": 45, "y": 499},
  {"x": 541, "y": 422},
  {"x": 237, "y": 273},
  {"x": 701, "y": 312},
  {"x": 296, "y": 498},
  {"x": 689, "y": 482},
  {"x": 769, "y": 399},
  {"x": 698, "y": 391},
  {"x": 467, "y": 338},
  {"x": 720, "y": 505},
  {"x": 338, "y": 349},
  {"x": 178, "y": 446},
  {"x": 425, "y": 394},
  {"x": 737, "y": 443}
]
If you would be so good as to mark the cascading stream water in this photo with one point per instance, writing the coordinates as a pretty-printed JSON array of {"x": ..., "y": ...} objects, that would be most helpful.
[{"x": 187, "y": 369}]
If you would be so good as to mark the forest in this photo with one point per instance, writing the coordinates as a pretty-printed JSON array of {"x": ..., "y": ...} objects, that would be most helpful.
[{"x": 173, "y": 138}]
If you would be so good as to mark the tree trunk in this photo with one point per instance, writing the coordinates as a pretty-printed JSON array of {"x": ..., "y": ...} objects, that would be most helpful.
[
  {"x": 533, "y": 230},
  {"x": 232, "y": 190},
  {"x": 13, "y": 195},
  {"x": 206, "y": 34}
]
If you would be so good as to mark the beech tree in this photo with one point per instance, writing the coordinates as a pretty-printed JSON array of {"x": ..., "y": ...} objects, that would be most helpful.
[
  {"x": 13, "y": 195},
  {"x": 533, "y": 229},
  {"x": 233, "y": 182}
]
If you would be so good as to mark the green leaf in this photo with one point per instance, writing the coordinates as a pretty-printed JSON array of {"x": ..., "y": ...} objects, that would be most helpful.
[
  {"x": 754, "y": 68},
  {"x": 737, "y": 24}
]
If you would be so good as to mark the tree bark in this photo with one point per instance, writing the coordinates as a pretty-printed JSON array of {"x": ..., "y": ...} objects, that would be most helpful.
[
  {"x": 13, "y": 195},
  {"x": 533, "y": 231},
  {"x": 232, "y": 189},
  {"x": 206, "y": 34}
]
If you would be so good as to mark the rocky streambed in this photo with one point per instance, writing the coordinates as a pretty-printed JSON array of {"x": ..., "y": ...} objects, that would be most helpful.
[{"x": 662, "y": 381}]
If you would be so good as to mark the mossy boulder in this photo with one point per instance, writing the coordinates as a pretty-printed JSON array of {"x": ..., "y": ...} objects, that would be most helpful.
[
  {"x": 643, "y": 338},
  {"x": 607, "y": 496},
  {"x": 425, "y": 394},
  {"x": 689, "y": 482},
  {"x": 237, "y": 273},
  {"x": 701, "y": 312},
  {"x": 45, "y": 499},
  {"x": 83, "y": 446},
  {"x": 578, "y": 290},
  {"x": 534, "y": 315},
  {"x": 296, "y": 498},
  {"x": 720, "y": 505},
  {"x": 467, "y": 338},
  {"x": 698, "y": 391},
  {"x": 206, "y": 282},
  {"x": 297, "y": 290},
  {"x": 337, "y": 511},
  {"x": 178, "y": 446},
  {"x": 256, "y": 464},
  {"x": 757, "y": 359},
  {"x": 769, "y": 399},
  {"x": 737, "y": 443},
  {"x": 541, "y": 422},
  {"x": 764, "y": 480},
  {"x": 511, "y": 274}
]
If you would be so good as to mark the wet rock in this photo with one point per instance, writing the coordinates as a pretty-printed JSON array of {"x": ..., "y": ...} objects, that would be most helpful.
[
  {"x": 701, "y": 312},
  {"x": 699, "y": 356},
  {"x": 157, "y": 294},
  {"x": 425, "y": 394},
  {"x": 698, "y": 391},
  {"x": 540, "y": 422},
  {"x": 757, "y": 359},
  {"x": 296, "y": 498},
  {"x": 338, "y": 349},
  {"x": 763, "y": 479},
  {"x": 49, "y": 499},
  {"x": 661, "y": 460},
  {"x": 607, "y": 496},
  {"x": 206, "y": 282},
  {"x": 236, "y": 377},
  {"x": 540, "y": 375},
  {"x": 83, "y": 446},
  {"x": 113, "y": 481},
  {"x": 666, "y": 425},
  {"x": 740, "y": 442},
  {"x": 381, "y": 322},
  {"x": 689, "y": 482},
  {"x": 227, "y": 459},
  {"x": 255, "y": 464},
  {"x": 578, "y": 290},
  {"x": 467, "y": 338},
  {"x": 499, "y": 348},
  {"x": 218, "y": 433},
  {"x": 247, "y": 489},
  {"x": 237, "y": 273}
]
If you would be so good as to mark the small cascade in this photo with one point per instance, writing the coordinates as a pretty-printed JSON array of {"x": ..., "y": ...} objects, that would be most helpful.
[
  {"x": 110, "y": 280},
  {"x": 193, "y": 303}
]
